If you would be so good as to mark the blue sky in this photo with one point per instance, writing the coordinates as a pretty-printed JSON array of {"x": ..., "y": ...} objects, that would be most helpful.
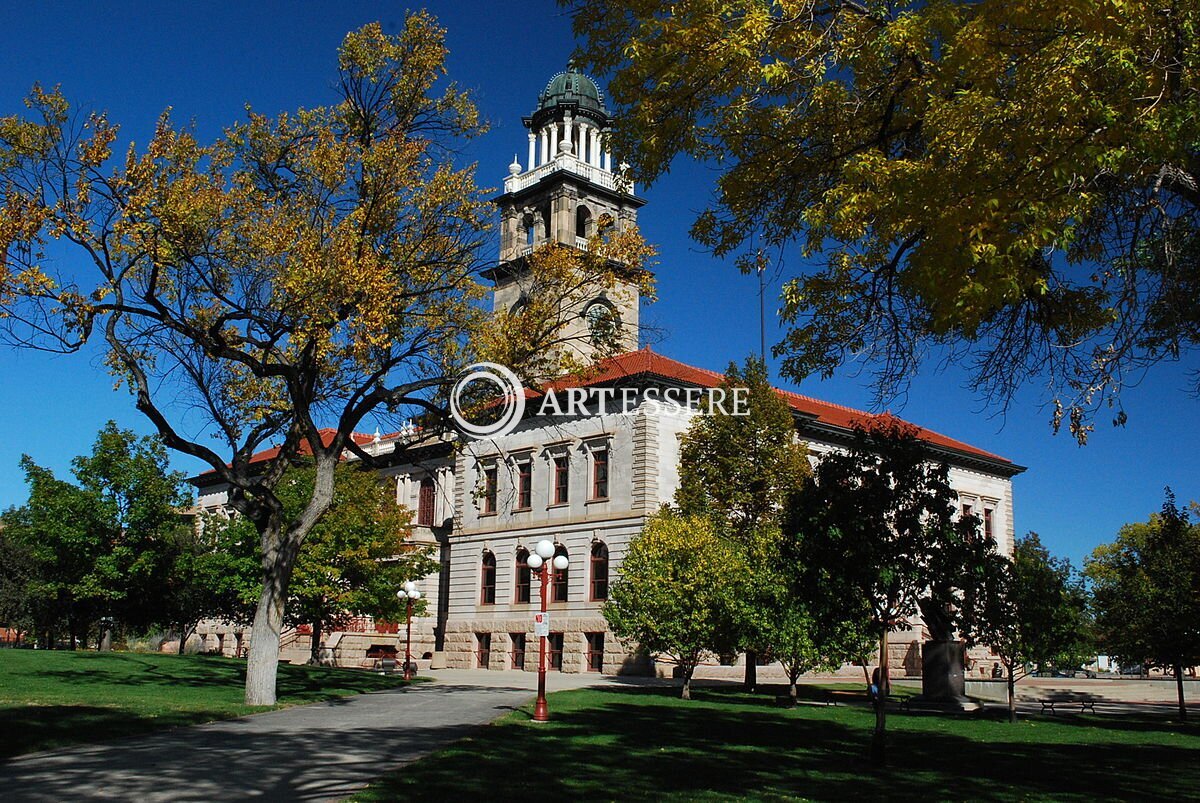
[{"x": 207, "y": 60}]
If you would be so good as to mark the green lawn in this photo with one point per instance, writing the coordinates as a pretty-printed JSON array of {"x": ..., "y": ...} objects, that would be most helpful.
[
  {"x": 50, "y": 698},
  {"x": 642, "y": 744}
]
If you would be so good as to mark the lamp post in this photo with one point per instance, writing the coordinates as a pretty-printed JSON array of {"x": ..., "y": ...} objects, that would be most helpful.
[
  {"x": 541, "y": 560},
  {"x": 409, "y": 594}
]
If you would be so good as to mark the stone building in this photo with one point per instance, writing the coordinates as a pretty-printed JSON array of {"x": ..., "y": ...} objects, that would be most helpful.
[{"x": 586, "y": 481}]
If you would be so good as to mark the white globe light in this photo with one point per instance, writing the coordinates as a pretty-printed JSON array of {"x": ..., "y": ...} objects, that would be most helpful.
[
  {"x": 401, "y": 594},
  {"x": 409, "y": 585},
  {"x": 414, "y": 594},
  {"x": 561, "y": 562},
  {"x": 544, "y": 549},
  {"x": 534, "y": 562}
]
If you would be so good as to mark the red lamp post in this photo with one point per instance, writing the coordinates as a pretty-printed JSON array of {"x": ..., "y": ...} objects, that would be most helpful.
[
  {"x": 543, "y": 558},
  {"x": 409, "y": 594}
]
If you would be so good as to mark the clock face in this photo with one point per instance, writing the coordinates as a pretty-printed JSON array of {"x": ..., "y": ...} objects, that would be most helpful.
[{"x": 601, "y": 319}]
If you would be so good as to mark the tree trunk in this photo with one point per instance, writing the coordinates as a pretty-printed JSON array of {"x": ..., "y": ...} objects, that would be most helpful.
[
  {"x": 71, "y": 633},
  {"x": 1179, "y": 689},
  {"x": 280, "y": 546},
  {"x": 686, "y": 693},
  {"x": 314, "y": 656},
  {"x": 884, "y": 686},
  {"x": 750, "y": 684},
  {"x": 182, "y": 639},
  {"x": 1012, "y": 693},
  {"x": 792, "y": 691},
  {"x": 263, "y": 662}
]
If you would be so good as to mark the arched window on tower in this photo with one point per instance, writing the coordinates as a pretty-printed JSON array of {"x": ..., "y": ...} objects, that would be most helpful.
[
  {"x": 599, "y": 571},
  {"x": 558, "y": 589},
  {"x": 583, "y": 222},
  {"x": 425, "y": 502},
  {"x": 523, "y": 576},
  {"x": 487, "y": 580}
]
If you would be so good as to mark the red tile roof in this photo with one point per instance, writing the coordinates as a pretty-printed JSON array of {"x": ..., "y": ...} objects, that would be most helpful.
[
  {"x": 645, "y": 361},
  {"x": 361, "y": 438}
]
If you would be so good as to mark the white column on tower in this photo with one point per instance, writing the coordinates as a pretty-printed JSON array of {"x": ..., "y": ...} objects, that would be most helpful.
[
  {"x": 569, "y": 133},
  {"x": 544, "y": 144},
  {"x": 593, "y": 147},
  {"x": 553, "y": 142},
  {"x": 532, "y": 151},
  {"x": 607, "y": 160}
]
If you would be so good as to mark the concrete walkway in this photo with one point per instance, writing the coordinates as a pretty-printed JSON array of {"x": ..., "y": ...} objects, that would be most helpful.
[{"x": 324, "y": 751}]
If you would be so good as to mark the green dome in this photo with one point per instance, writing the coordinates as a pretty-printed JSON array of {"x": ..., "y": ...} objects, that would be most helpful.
[{"x": 573, "y": 90}]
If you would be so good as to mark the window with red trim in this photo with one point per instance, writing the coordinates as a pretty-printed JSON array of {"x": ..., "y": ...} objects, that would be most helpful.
[
  {"x": 595, "y": 652},
  {"x": 523, "y": 577},
  {"x": 600, "y": 474},
  {"x": 562, "y": 479},
  {"x": 490, "y": 484},
  {"x": 558, "y": 588},
  {"x": 524, "y": 484},
  {"x": 483, "y": 642},
  {"x": 599, "y": 561},
  {"x": 518, "y": 650},
  {"x": 425, "y": 500},
  {"x": 554, "y": 650},
  {"x": 487, "y": 580}
]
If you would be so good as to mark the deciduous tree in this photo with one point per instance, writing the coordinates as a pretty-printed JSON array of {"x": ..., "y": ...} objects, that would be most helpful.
[
  {"x": 302, "y": 270},
  {"x": 102, "y": 547},
  {"x": 1029, "y": 609},
  {"x": 675, "y": 596},
  {"x": 738, "y": 464},
  {"x": 1015, "y": 182},
  {"x": 355, "y": 559},
  {"x": 877, "y": 529},
  {"x": 1147, "y": 589}
]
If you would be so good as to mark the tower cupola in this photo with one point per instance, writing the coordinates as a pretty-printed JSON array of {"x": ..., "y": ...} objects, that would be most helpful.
[{"x": 567, "y": 186}]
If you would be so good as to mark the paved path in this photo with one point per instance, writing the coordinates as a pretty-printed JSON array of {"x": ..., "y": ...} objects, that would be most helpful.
[{"x": 317, "y": 752}]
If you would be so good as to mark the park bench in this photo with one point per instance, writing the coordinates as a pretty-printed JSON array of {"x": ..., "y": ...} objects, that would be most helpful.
[{"x": 1085, "y": 704}]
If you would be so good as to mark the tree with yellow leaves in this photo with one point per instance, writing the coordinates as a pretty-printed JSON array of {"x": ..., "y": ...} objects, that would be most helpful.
[
  {"x": 1013, "y": 184},
  {"x": 276, "y": 285}
]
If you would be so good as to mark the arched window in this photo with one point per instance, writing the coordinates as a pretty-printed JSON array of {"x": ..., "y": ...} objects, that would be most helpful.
[
  {"x": 487, "y": 595},
  {"x": 599, "y": 571},
  {"x": 523, "y": 576},
  {"x": 558, "y": 589},
  {"x": 583, "y": 222},
  {"x": 425, "y": 503}
]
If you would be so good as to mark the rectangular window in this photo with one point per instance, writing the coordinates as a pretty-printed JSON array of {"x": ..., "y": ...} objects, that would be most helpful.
[
  {"x": 599, "y": 572},
  {"x": 987, "y": 522},
  {"x": 487, "y": 579},
  {"x": 967, "y": 510},
  {"x": 554, "y": 646},
  {"x": 489, "y": 489},
  {"x": 559, "y": 581},
  {"x": 525, "y": 485},
  {"x": 562, "y": 479},
  {"x": 483, "y": 642},
  {"x": 425, "y": 501},
  {"x": 595, "y": 652},
  {"x": 524, "y": 575},
  {"x": 600, "y": 474},
  {"x": 518, "y": 650}
]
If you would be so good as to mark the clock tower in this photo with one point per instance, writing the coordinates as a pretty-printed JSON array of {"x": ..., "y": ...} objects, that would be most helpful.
[{"x": 566, "y": 186}]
